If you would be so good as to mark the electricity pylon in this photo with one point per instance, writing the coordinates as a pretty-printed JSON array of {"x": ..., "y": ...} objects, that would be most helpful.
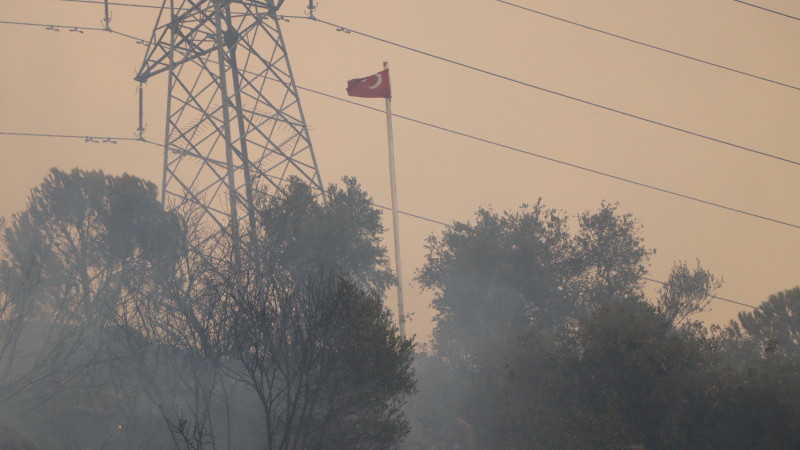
[{"x": 234, "y": 125}]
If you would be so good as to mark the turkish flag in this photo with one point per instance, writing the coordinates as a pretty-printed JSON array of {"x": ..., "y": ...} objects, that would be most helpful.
[{"x": 373, "y": 86}]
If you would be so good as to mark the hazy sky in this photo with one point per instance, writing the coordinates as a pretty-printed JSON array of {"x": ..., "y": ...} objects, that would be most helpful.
[{"x": 71, "y": 83}]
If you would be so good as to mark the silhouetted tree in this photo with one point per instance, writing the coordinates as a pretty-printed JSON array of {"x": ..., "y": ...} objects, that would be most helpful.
[
  {"x": 325, "y": 362},
  {"x": 85, "y": 243},
  {"x": 775, "y": 325},
  {"x": 550, "y": 338},
  {"x": 299, "y": 234},
  {"x": 265, "y": 320},
  {"x": 306, "y": 327},
  {"x": 140, "y": 316}
]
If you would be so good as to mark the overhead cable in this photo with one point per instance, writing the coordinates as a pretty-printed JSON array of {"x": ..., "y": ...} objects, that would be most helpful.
[
  {"x": 543, "y": 89},
  {"x": 554, "y": 160},
  {"x": 134, "y": 38},
  {"x": 557, "y": 93},
  {"x": 98, "y": 139},
  {"x": 427, "y": 219},
  {"x": 52, "y": 27},
  {"x": 560, "y": 162},
  {"x": 87, "y": 138},
  {"x": 651, "y": 46},
  {"x": 99, "y": 2},
  {"x": 133, "y": 5},
  {"x": 768, "y": 10},
  {"x": 551, "y": 159},
  {"x": 80, "y": 29},
  {"x": 533, "y": 86}
]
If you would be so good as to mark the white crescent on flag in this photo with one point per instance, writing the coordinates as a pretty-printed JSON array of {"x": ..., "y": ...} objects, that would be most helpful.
[{"x": 377, "y": 83}]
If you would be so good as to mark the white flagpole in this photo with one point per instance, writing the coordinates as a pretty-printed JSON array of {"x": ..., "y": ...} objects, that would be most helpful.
[{"x": 395, "y": 220}]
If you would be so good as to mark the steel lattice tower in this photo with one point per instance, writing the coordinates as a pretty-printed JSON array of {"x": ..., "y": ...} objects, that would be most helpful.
[{"x": 234, "y": 125}]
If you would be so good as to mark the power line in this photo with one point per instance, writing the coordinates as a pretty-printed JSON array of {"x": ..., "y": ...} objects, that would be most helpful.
[
  {"x": 557, "y": 93},
  {"x": 561, "y": 19},
  {"x": 551, "y": 159},
  {"x": 133, "y": 5},
  {"x": 134, "y": 38},
  {"x": 96, "y": 139},
  {"x": 548, "y": 158},
  {"x": 52, "y": 27},
  {"x": 523, "y": 83},
  {"x": 80, "y": 29},
  {"x": 558, "y": 161},
  {"x": 529, "y": 153},
  {"x": 97, "y": 2},
  {"x": 768, "y": 10},
  {"x": 651, "y": 46},
  {"x": 427, "y": 219},
  {"x": 112, "y": 140},
  {"x": 93, "y": 139}
]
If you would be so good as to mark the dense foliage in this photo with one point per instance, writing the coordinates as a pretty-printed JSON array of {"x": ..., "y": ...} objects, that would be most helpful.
[
  {"x": 545, "y": 339},
  {"x": 125, "y": 326}
]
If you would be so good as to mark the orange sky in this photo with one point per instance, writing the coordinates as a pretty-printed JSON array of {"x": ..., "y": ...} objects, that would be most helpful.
[{"x": 72, "y": 83}]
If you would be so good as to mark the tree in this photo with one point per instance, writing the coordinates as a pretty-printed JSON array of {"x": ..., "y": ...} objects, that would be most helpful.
[
  {"x": 325, "y": 361},
  {"x": 307, "y": 331},
  {"x": 610, "y": 254},
  {"x": 85, "y": 243},
  {"x": 775, "y": 325},
  {"x": 498, "y": 274},
  {"x": 152, "y": 328},
  {"x": 762, "y": 409},
  {"x": 300, "y": 235},
  {"x": 276, "y": 324},
  {"x": 552, "y": 340},
  {"x": 507, "y": 272},
  {"x": 686, "y": 292},
  {"x": 641, "y": 381},
  {"x": 84, "y": 240}
]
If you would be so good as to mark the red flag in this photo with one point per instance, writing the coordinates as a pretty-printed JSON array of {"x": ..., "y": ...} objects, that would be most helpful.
[{"x": 373, "y": 86}]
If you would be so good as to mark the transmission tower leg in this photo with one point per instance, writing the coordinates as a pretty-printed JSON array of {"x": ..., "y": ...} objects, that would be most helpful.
[{"x": 226, "y": 125}]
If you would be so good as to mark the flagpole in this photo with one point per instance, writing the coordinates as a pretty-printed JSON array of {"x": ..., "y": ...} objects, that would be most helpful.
[{"x": 395, "y": 219}]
